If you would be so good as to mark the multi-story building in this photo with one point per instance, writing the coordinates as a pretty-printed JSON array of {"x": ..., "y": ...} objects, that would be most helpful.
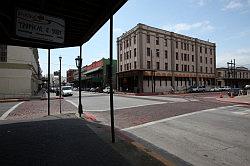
[
  {"x": 70, "y": 75},
  {"x": 20, "y": 72},
  {"x": 156, "y": 60},
  {"x": 234, "y": 77},
  {"x": 97, "y": 74}
]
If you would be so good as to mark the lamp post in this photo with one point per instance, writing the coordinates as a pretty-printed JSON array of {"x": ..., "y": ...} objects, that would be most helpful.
[
  {"x": 60, "y": 84},
  {"x": 79, "y": 66}
]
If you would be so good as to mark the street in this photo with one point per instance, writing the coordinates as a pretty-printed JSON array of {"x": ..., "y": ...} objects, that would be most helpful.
[{"x": 194, "y": 127}]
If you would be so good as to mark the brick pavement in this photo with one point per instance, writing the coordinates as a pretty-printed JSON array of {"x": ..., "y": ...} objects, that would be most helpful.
[
  {"x": 135, "y": 116},
  {"x": 39, "y": 108}
]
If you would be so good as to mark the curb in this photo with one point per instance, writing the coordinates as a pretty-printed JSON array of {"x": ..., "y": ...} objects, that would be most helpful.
[
  {"x": 125, "y": 137},
  {"x": 236, "y": 102},
  {"x": 13, "y": 100},
  {"x": 51, "y": 98}
]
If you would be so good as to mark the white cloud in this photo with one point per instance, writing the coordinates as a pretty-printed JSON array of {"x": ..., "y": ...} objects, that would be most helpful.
[
  {"x": 203, "y": 26},
  {"x": 199, "y": 2},
  {"x": 233, "y": 4},
  {"x": 236, "y": 5},
  {"x": 241, "y": 56}
]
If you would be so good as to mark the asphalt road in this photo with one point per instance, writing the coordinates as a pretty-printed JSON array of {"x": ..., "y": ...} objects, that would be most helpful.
[
  {"x": 6, "y": 106},
  {"x": 194, "y": 127}
]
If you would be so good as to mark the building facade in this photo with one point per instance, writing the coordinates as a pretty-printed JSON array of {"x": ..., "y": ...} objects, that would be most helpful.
[
  {"x": 236, "y": 77},
  {"x": 96, "y": 74},
  {"x": 70, "y": 75},
  {"x": 155, "y": 60},
  {"x": 20, "y": 72}
]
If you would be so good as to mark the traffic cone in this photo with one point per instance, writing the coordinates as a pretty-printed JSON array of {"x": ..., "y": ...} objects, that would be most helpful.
[{"x": 221, "y": 96}]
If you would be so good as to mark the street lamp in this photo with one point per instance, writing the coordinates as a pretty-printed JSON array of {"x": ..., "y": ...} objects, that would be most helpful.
[
  {"x": 79, "y": 66},
  {"x": 60, "y": 84}
]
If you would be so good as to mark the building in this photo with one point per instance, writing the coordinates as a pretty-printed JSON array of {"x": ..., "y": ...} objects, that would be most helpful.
[
  {"x": 96, "y": 74},
  {"x": 155, "y": 60},
  {"x": 20, "y": 72},
  {"x": 236, "y": 77},
  {"x": 70, "y": 75}
]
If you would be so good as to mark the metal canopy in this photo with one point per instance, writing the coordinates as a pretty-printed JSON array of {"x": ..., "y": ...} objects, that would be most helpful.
[{"x": 79, "y": 20}]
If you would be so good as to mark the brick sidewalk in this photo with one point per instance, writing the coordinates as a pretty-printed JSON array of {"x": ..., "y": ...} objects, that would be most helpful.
[
  {"x": 39, "y": 108},
  {"x": 238, "y": 99}
]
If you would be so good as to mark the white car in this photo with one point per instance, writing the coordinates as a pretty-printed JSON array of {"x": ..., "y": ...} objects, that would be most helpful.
[{"x": 67, "y": 91}]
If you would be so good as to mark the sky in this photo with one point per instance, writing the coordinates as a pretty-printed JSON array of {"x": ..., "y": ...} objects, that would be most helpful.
[{"x": 224, "y": 22}]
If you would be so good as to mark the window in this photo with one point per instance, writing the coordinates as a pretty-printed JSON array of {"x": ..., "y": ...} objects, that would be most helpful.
[
  {"x": 181, "y": 45},
  {"x": 211, "y": 61},
  {"x": 176, "y": 56},
  {"x": 134, "y": 39},
  {"x": 211, "y": 70},
  {"x": 148, "y": 38},
  {"x": 211, "y": 51},
  {"x": 166, "y": 54},
  {"x": 121, "y": 68},
  {"x": 200, "y": 49},
  {"x": 148, "y": 51},
  {"x": 201, "y": 69},
  {"x": 3, "y": 53},
  {"x": 188, "y": 67},
  {"x": 188, "y": 47},
  {"x": 124, "y": 67},
  {"x": 182, "y": 56},
  {"x": 185, "y": 67},
  {"x": 192, "y": 58},
  {"x": 166, "y": 66},
  {"x": 134, "y": 65},
  {"x": 205, "y": 50},
  {"x": 129, "y": 65},
  {"x": 157, "y": 52},
  {"x": 121, "y": 57},
  {"x": 166, "y": 42},
  {"x": 182, "y": 68},
  {"x": 206, "y": 60},
  {"x": 206, "y": 69},
  {"x": 176, "y": 44},
  {"x": 158, "y": 65},
  {"x": 177, "y": 67},
  {"x": 160, "y": 81},
  {"x": 185, "y": 46},
  {"x": 192, "y": 68},
  {"x": 200, "y": 59},
  {"x": 192, "y": 47},
  {"x": 185, "y": 57},
  {"x": 129, "y": 41},
  {"x": 130, "y": 54},
  {"x": 134, "y": 52},
  {"x": 120, "y": 46},
  {"x": 148, "y": 65},
  {"x": 157, "y": 41}
]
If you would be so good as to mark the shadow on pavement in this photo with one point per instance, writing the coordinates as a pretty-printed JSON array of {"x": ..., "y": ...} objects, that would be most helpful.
[{"x": 63, "y": 140}]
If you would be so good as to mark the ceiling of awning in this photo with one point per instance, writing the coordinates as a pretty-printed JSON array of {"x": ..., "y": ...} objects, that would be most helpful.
[{"x": 79, "y": 20}]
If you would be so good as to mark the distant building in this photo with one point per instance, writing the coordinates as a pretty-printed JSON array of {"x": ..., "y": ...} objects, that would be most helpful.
[
  {"x": 96, "y": 74},
  {"x": 20, "y": 72},
  {"x": 155, "y": 60},
  {"x": 70, "y": 75},
  {"x": 238, "y": 77}
]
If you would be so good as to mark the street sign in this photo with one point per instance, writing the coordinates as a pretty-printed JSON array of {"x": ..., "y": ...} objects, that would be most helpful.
[{"x": 38, "y": 26}]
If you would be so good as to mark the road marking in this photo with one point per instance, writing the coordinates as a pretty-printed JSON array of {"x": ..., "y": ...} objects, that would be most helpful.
[
  {"x": 175, "y": 117},
  {"x": 242, "y": 112},
  {"x": 72, "y": 103},
  {"x": 10, "y": 110},
  {"x": 118, "y": 108}
]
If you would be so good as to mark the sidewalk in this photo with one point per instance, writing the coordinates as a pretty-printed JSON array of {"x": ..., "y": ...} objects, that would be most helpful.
[
  {"x": 65, "y": 140},
  {"x": 238, "y": 99}
]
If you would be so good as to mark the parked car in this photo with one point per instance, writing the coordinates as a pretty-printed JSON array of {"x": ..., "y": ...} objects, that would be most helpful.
[
  {"x": 236, "y": 92},
  {"x": 247, "y": 87},
  {"x": 225, "y": 88},
  {"x": 92, "y": 89},
  {"x": 215, "y": 89},
  {"x": 67, "y": 91},
  {"x": 107, "y": 90},
  {"x": 197, "y": 89}
]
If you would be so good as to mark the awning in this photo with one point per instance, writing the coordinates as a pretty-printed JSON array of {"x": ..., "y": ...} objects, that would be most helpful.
[
  {"x": 93, "y": 70},
  {"x": 53, "y": 23}
]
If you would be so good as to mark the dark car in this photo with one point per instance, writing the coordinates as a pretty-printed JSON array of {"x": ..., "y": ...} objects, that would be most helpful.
[{"x": 233, "y": 92}]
